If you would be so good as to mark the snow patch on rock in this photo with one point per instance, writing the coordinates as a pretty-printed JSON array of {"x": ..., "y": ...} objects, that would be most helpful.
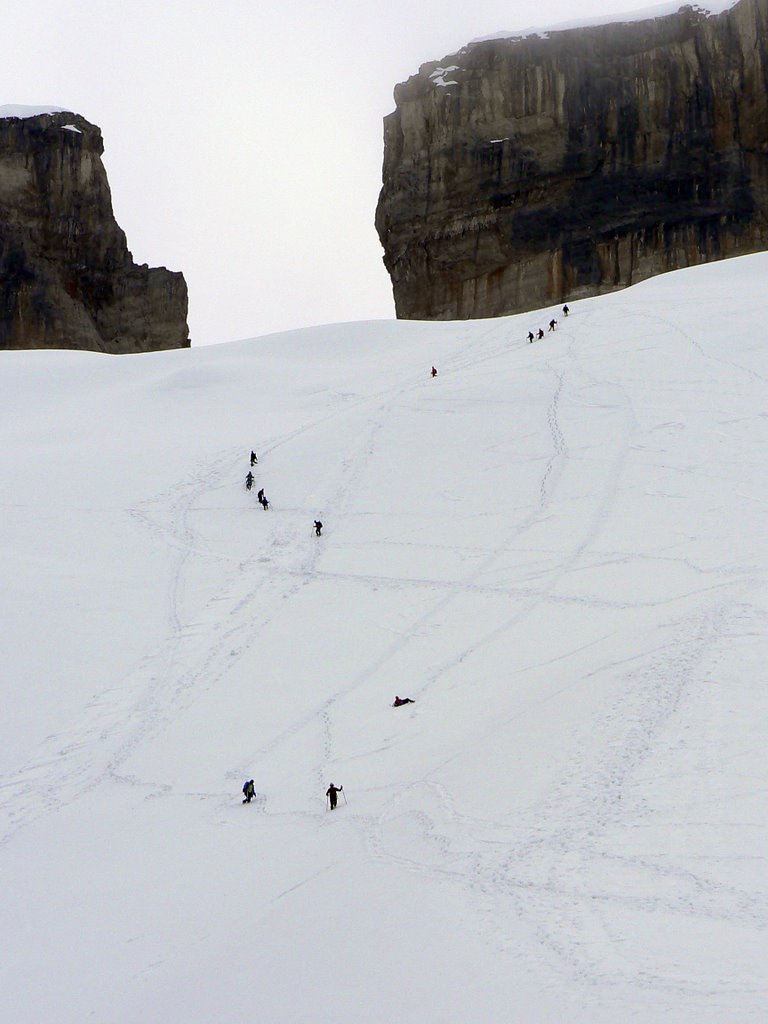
[{"x": 26, "y": 110}]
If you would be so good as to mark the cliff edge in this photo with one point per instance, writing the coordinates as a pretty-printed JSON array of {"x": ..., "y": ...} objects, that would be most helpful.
[
  {"x": 67, "y": 279},
  {"x": 525, "y": 171}
]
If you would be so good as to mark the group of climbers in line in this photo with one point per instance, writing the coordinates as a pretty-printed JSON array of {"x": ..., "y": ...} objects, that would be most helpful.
[
  {"x": 552, "y": 325},
  {"x": 332, "y": 792},
  {"x": 250, "y": 480},
  {"x": 261, "y": 496}
]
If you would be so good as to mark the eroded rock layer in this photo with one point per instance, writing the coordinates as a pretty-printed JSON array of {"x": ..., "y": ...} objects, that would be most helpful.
[
  {"x": 521, "y": 172},
  {"x": 67, "y": 279}
]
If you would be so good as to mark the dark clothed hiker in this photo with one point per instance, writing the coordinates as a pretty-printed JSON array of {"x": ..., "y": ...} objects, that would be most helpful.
[{"x": 332, "y": 792}]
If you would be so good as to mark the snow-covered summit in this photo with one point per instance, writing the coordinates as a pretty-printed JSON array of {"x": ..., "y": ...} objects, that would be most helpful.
[
  {"x": 624, "y": 17},
  {"x": 23, "y": 110}
]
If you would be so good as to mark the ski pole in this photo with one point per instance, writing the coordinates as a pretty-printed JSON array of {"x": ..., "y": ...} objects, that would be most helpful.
[{"x": 344, "y": 795}]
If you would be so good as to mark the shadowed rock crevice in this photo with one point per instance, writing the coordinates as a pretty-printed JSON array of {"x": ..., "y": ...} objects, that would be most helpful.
[
  {"x": 67, "y": 279},
  {"x": 521, "y": 172}
]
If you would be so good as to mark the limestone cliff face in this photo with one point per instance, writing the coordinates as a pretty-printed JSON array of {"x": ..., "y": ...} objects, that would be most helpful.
[
  {"x": 67, "y": 279},
  {"x": 518, "y": 173}
]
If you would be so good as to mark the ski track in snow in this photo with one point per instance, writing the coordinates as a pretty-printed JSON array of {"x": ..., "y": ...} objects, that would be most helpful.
[
  {"x": 560, "y": 913},
  {"x": 165, "y": 689}
]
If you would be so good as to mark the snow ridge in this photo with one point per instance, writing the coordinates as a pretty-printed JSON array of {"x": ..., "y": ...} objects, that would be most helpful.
[{"x": 25, "y": 110}]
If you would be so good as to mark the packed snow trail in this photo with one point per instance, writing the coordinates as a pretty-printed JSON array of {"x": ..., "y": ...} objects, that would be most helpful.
[{"x": 557, "y": 549}]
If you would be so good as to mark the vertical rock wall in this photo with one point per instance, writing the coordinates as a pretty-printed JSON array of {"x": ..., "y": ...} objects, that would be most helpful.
[
  {"x": 67, "y": 279},
  {"x": 523, "y": 172}
]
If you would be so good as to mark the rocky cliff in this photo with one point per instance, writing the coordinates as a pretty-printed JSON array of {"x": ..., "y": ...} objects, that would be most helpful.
[
  {"x": 67, "y": 279},
  {"x": 522, "y": 172}
]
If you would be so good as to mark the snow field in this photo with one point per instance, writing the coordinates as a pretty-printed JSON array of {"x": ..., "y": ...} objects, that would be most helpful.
[{"x": 557, "y": 549}]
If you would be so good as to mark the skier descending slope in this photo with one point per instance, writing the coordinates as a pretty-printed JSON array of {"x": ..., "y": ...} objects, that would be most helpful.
[{"x": 248, "y": 791}]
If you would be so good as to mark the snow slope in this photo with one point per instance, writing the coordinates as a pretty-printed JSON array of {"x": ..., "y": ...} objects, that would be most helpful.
[{"x": 557, "y": 549}]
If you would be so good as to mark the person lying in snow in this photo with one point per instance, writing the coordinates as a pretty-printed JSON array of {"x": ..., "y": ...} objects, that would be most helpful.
[{"x": 398, "y": 701}]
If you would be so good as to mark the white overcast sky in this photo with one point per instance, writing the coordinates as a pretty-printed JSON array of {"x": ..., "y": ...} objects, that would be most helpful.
[{"x": 243, "y": 138}]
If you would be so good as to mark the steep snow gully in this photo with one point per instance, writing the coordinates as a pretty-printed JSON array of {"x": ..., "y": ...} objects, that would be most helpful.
[{"x": 557, "y": 549}]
